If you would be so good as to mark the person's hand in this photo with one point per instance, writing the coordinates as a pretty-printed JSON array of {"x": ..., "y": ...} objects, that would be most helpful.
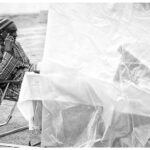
[
  {"x": 34, "y": 69},
  {"x": 9, "y": 42},
  {"x": 37, "y": 71}
]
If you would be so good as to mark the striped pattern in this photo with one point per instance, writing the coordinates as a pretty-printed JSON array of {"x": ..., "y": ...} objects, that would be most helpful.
[
  {"x": 20, "y": 55},
  {"x": 4, "y": 22},
  {"x": 7, "y": 65},
  {"x": 13, "y": 67},
  {"x": 1, "y": 53}
]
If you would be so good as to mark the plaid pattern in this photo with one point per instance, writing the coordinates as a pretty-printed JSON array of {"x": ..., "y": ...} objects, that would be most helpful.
[
  {"x": 14, "y": 89},
  {"x": 1, "y": 51},
  {"x": 8, "y": 64},
  {"x": 20, "y": 55},
  {"x": 13, "y": 67}
]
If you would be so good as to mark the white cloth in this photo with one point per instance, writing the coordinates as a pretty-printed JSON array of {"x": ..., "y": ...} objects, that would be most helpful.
[{"x": 80, "y": 62}]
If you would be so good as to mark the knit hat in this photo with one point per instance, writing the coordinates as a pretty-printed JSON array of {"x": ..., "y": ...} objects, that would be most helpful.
[{"x": 4, "y": 22}]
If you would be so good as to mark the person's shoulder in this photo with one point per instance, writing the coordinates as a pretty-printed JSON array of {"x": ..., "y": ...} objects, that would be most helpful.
[{"x": 18, "y": 45}]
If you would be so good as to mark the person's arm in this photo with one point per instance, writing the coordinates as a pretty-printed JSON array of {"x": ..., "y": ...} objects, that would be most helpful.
[
  {"x": 7, "y": 65},
  {"x": 9, "y": 62}
]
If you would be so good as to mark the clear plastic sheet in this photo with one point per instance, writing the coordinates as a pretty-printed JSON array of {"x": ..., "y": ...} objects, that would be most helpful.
[{"x": 95, "y": 77}]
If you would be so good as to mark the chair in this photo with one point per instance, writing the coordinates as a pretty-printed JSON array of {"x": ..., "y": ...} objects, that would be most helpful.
[{"x": 7, "y": 83}]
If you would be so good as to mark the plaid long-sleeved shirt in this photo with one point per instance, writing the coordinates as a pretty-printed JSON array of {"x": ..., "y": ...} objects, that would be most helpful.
[
  {"x": 11, "y": 62},
  {"x": 8, "y": 64}
]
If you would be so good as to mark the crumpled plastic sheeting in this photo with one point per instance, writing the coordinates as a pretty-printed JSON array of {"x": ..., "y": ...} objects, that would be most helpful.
[{"x": 95, "y": 76}]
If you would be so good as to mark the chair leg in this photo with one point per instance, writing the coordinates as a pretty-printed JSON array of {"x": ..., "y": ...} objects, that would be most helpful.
[
  {"x": 32, "y": 134},
  {"x": 7, "y": 121},
  {"x": 10, "y": 116},
  {"x": 14, "y": 131},
  {"x": 4, "y": 93},
  {"x": 36, "y": 144}
]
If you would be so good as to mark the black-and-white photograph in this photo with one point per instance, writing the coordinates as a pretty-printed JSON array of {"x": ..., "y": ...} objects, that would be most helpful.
[{"x": 74, "y": 75}]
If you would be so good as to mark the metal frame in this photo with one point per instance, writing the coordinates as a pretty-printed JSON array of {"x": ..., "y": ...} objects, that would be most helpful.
[
  {"x": 4, "y": 145},
  {"x": 12, "y": 110}
]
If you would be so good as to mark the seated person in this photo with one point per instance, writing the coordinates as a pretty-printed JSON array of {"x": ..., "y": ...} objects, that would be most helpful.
[{"x": 13, "y": 60}]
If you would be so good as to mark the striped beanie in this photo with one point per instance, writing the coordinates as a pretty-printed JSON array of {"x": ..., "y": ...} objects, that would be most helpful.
[{"x": 4, "y": 22}]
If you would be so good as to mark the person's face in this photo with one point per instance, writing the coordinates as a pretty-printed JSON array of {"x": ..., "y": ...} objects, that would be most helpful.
[{"x": 12, "y": 30}]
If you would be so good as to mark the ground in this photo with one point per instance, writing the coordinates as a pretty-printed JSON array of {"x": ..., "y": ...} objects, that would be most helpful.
[{"x": 31, "y": 35}]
